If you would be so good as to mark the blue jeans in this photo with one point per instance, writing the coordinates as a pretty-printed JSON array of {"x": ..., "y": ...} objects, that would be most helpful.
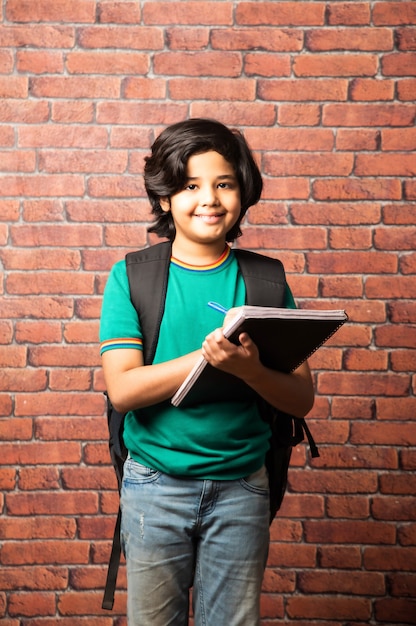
[{"x": 180, "y": 533}]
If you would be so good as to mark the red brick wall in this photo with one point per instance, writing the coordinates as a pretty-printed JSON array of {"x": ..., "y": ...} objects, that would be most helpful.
[{"x": 325, "y": 93}]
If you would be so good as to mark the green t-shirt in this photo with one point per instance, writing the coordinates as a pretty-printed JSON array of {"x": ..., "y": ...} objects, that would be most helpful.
[{"x": 215, "y": 441}]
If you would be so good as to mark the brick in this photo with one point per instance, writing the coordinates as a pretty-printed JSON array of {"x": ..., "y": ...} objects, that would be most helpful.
[
  {"x": 339, "y": 286},
  {"x": 405, "y": 38},
  {"x": 362, "y": 39},
  {"x": 122, "y": 37},
  {"x": 360, "y": 139},
  {"x": 337, "y": 608},
  {"x": 394, "y": 13},
  {"x": 29, "y": 604},
  {"x": 52, "y": 186},
  {"x": 398, "y": 139},
  {"x": 335, "y": 65},
  {"x": 12, "y": 110},
  {"x": 338, "y": 262},
  {"x": 401, "y": 409},
  {"x": 144, "y": 89},
  {"x": 90, "y": 62},
  {"x": 72, "y": 428},
  {"x": 345, "y": 557},
  {"x": 395, "y": 238},
  {"x": 353, "y": 238},
  {"x": 49, "y": 11},
  {"x": 57, "y": 235},
  {"x": 190, "y": 13},
  {"x": 400, "y": 485},
  {"x": 410, "y": 190},
  {"x": 179, "y": 38},
  {"x": 13, "y": 356},
  {"x": 118, "y": 12},
  {"x": 357, "y": 189},
  {"x": 47, "y": 283},
  {"x": 9, "y": 210},
  {"x": 69, "y": 379},
  {"x": 56, "y": 404},
  {"x": 280, "y": 13},
  {"x": 77, "y": 112},
  {"x": 371, "y": 384},
  {"x": 298, "y": 114},
  {"x": 212, "y": 89},
  {"x": 272, "y": 39},
  {"x": 227, "y": 64},
  {"x": 35, "y": 259},
  {"x": 35, "y": 62},
  {"x": 265, "y": 238},
  {"x": 402, "y": 584},
  {"x": 390, "y": 558},
  {"x": 14, "y": 87},
  {"x": 358, "y": 359},
  {"x": 303, "y": 89},
  {"x": 352, "y": 507},
  {"x": 406, "y": 89},
  {"x": 403, "y": 361},
  {"x": 130, "y": 112},
  {"x": 383, "y": 433},
  {"x": 395, "y": 610},
  {"x": 94, "y": 161},
  {"x": 290, "y": 139},
  {"x": 28, "y": 380},
  {"x": 364, "y": 532},
  {"x": 45, "y": 453},
  {"x": 43, "y": 211},
  {"x": 308, "y": 164},
  {"x": 397, "y": 287},
  {"x": 351, "y": 13},
  {"x": 361, "y": 583},
  {"x": 236, "y": 113},
  {"x": 368, "y": 89},
  {"x": 75, "y": 86},
  {"x": 42, "y": 578},
  {"x": 45, "y": 552},
  {"x": 404, "y": 311},
  {"x": 39, "y": 478},
  {"x": 399, "y": 64},
  {"x": 43, "y": 36},
  {"x": 367, "y": 115},
  {"x": 44, "y": 503},
  {"x": 356, "y": 457},
  {"x": 284, "y": 556}
]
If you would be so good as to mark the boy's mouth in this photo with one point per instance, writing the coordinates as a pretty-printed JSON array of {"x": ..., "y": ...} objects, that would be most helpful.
[{"x": 210, "y": 217}]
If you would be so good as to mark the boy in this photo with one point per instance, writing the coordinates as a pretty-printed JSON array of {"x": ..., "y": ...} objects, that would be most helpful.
[{"x": 195, "y": 509}]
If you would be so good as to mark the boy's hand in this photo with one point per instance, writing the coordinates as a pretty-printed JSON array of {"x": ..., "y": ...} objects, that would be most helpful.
[{"x": 238, "y": 360}]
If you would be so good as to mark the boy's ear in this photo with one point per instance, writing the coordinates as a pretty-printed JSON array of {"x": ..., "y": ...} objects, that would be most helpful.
[{"x": 165, "y": 204}]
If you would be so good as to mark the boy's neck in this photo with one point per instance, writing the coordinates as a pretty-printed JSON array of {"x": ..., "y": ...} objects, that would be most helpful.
[{"x": 198, "y": 254}]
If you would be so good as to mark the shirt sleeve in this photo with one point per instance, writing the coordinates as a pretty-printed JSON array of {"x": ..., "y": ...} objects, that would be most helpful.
[{"x": 119, "y": 324}]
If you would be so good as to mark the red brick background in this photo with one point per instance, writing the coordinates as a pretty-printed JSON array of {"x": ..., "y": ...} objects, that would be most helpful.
[{"x": 325, "y": 93}]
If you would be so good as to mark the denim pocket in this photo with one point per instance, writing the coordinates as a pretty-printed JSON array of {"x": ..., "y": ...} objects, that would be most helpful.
[
  {"x": 135, "y": 472},
  {"x": 257, "y": 482}
]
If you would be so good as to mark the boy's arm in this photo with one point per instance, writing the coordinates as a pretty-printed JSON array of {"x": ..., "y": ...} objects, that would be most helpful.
[
  {"x": 292, "y": 393},
  {"x": 131, "y": 384}
]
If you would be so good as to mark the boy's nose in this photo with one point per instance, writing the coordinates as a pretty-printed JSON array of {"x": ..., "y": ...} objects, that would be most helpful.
[{"x": 208, "y": 197}]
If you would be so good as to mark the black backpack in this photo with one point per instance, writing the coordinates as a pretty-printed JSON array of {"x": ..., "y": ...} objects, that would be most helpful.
[{"x": 264, "y": 278}]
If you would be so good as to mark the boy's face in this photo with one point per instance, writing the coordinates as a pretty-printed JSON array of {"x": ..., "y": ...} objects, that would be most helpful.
[{"x": 209, "y": 205}]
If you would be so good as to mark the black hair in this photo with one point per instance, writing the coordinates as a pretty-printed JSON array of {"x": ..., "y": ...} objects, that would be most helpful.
[{"x": 165, "y": 170}]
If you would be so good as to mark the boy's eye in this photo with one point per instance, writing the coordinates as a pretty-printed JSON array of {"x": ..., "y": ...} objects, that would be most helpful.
[{"x": 191, "y": 186}]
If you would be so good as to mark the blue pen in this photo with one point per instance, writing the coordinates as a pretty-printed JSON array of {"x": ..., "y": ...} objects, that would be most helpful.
[{"x": 218, "y": 307}]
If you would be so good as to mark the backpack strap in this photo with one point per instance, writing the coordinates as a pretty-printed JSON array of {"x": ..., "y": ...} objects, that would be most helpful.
[
  {"x": 264, "y": 278},
  {"x": 148, "y": 271}
]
